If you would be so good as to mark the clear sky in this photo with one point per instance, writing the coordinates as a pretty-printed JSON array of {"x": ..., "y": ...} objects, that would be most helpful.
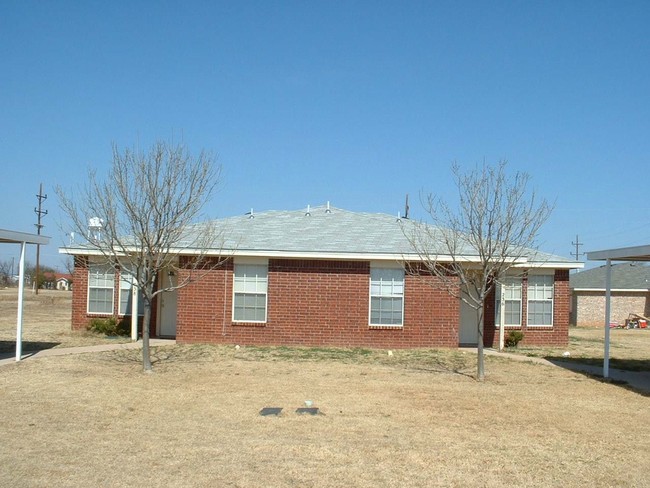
[{"x": 358, "y": 103}]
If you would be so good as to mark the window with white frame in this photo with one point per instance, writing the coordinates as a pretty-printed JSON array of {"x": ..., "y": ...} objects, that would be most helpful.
[
  {"x": 510, "y": 290},
  {"x": 386, "y": 296},
  {"x": 101, "y": 282},
  {"x": 540, "y": 300},
  {"x": 127, "y": 282},
  {"x": 250, "y": 292}
]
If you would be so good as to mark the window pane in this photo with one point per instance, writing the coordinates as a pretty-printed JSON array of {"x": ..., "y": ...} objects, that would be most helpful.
[
  {"x": 100, "y": 300},
  {"x": 101, "y": 279},
  {"x": 386, "y": 292},
  {"x": 511, "y": 289},
  {"x": 386, "y": 311},
  {"x": 540, "y": 299},
  {"x": 250, "y": 288},
  {"x": 249, "y": 307}
]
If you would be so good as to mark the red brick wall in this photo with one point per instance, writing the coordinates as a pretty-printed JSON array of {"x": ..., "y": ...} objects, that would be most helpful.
[
  {"x": 312, "y": 302},
  {"x": 558, "y": 335},
  {"x": 318, "y": 302},
  {"x": 80, "y": 317}
]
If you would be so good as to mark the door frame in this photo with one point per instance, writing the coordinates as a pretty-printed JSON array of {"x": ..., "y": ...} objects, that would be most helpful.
[{"x": 166, "y": 296}]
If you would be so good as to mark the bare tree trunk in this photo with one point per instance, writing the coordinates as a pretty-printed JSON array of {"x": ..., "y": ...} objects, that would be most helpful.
[{"x": 480, "y": 362}]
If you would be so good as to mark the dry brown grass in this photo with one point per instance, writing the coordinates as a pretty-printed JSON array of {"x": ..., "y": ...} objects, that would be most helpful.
[
  {"x": 413, "y": 419},
  {"x": 46, "y": 322},
  {"x": 629, "y": 348}
]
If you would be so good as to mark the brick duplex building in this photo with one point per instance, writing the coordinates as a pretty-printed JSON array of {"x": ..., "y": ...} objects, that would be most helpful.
[{"x": 325, "y": 276}]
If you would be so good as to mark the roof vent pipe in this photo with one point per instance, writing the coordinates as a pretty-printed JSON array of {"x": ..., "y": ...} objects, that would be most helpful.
[
  {"x": 251, "y": 215},
  {"x": 308, "y": 211},
  {"x": 399, "y": 217},
  {"x": 327, "y": 210}
]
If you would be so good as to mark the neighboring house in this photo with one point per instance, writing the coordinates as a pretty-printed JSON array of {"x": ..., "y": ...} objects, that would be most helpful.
[
  {"x": 630, "y": 292},
  {"x": 325, "y": 276},
  {"x": 58, "y": 281},
  {"x": 63, "y": 282}
]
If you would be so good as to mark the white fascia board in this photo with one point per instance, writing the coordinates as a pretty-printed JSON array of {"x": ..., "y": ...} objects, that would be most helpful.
[
  {"x": 343, "y": 256},
  {"x": 76, "y": 251},
  {"x": 521, "y": 262},
  {"x": 551, "y": 265}
]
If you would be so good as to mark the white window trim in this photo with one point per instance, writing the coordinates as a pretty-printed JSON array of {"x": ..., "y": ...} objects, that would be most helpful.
[
  {"x": 88, "y": 311},
  {"x": 374, "y": 265},
  {"x": 528, "y": 300},
  {"x": 130, "y": 292},
  {"x": 497, "y": 321},
  {"x": 256, "y": 262}
]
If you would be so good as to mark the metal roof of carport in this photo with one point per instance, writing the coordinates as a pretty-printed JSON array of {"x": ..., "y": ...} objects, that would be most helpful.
[
  {"x": 636, "y": 253},
  {"x": 22, "y": 238}
]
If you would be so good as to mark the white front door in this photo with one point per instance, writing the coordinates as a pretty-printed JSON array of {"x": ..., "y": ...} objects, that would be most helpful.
[
  {"x": 168, "y": 308},
  {"x": 468, "y": 331}
]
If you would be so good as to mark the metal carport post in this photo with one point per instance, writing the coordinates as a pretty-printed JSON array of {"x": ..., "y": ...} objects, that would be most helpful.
[
  {"x": 637, "y": 253},
  {"x": 22, "y": 238}
]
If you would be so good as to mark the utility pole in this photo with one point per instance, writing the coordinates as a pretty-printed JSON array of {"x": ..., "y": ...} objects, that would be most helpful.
[
  {"x": 40, "y": 213},
  {"x": 577, "y": 244}
]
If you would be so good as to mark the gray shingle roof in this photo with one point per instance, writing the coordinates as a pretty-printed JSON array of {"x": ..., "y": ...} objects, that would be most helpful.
[
  {"x": 336, "y": 231},
  {"x": 625, "y": 276},
  {"x": 318, "y": 233}
]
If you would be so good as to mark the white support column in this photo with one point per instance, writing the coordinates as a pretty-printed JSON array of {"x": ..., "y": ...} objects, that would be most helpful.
[
  {"x": 21, "y": 291},
  {"x": 502, "y": 319},
  {"x": 134, "y": 312},
  {"x": 608, "y": 299}
]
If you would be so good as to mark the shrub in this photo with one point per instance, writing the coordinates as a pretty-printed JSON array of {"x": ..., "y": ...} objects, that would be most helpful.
[
  {"x": 513, "y": 337},
  {"x": 109, "y": 326}
]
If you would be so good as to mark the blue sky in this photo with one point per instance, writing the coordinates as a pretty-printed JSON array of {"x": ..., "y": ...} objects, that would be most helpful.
[{"x": 353, "y": 102}]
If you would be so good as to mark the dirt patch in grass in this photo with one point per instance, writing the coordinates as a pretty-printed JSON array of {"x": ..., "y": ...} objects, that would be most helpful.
[
  {"x": 409, "y": 420},
  {"x": 46, "y": 322}
]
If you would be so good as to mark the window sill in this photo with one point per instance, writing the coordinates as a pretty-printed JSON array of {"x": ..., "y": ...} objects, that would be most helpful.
[
  {"x": 248, "y": 324},
  {"x": 379, "y": 327}
]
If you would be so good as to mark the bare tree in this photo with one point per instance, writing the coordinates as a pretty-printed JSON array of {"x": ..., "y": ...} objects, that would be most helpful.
[
  {"x": 469, "y": 248},
  {"x": 143, "y": 214},
  {"x": 6, "y": 270}
]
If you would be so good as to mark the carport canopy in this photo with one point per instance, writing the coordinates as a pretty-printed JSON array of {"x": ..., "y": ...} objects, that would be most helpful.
[
  {"x": 636, "y": 253},
  {"x": 22, "y": 238}
]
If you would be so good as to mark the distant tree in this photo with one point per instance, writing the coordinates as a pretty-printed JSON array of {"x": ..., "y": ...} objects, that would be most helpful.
[
  {"x": 497, "y": 221},
  {"x": 45, "y": 278},
  {"x": 6, "y": 269},
  {"x": 146, "y": 204}
]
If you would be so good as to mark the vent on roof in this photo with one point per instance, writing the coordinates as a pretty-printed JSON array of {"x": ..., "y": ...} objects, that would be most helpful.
[
  {"x": 308, "y": 213},
  {"x": 327, "y": 210},
  {"x": 250, "y": 214}
]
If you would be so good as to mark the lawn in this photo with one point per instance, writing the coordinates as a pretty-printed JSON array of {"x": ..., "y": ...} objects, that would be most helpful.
[
  {"x": 629, "y": 348},
  {"x": 413, "y": 419},
  {"x": 46, "y": 322}
]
